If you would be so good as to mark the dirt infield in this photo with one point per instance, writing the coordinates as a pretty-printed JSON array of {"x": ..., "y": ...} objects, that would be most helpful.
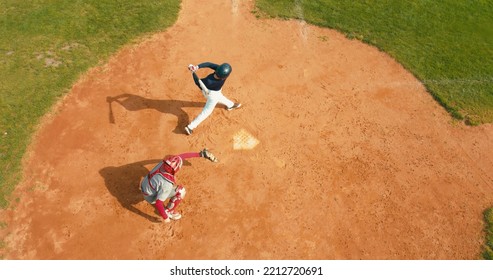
[{"x": 353, "y": 159}]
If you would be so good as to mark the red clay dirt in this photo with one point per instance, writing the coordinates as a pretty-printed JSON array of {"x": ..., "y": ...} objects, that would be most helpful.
[{"x": 355, "y": 160}]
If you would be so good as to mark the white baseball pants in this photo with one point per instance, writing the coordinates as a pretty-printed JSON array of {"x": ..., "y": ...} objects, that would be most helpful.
[{"x": 213, "y": 97}]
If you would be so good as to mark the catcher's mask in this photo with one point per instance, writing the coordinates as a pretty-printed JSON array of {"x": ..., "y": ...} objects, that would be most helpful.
[
  {"x": 223, "y": 70},
  {"x": 175, "y": 162}
]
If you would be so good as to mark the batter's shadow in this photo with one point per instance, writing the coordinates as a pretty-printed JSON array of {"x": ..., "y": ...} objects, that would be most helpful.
[
  {"x": 133, "y": 102},
  {"x": 123, "y": 182}
]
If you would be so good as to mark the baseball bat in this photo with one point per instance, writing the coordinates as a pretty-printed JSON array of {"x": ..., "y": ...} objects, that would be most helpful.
[{"x": 203, "y": 87}]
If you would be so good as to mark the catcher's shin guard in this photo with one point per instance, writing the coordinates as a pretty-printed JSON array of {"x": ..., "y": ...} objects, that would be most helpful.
[{"x": 175, "y": 200}]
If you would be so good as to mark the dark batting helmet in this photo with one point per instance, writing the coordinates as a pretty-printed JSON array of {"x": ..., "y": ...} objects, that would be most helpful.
[{"x": 223, "y": 70}]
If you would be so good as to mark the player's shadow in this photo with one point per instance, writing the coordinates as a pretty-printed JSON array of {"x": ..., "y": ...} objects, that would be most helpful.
[
  {"x": 133, "y": 102},
  {"x": 123, "y": 182}
]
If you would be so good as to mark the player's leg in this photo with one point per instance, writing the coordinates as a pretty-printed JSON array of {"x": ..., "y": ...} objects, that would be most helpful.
[
  {"x": 230, "y": 105},
  {"x": 208, "y": 108},
  {"x": 148, "y": 195}
]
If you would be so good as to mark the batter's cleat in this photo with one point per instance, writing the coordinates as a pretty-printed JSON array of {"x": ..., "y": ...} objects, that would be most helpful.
[
  {"x": 188, "y": 130},
  {"x": 235, "y": 106}
]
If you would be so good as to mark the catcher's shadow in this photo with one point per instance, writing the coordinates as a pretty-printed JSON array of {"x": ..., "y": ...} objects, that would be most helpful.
[
  {"x": 123, "y": 182},
  {"x": 133, "y": 102}
]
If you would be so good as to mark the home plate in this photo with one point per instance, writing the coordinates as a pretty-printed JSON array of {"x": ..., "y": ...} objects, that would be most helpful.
[{"x": 243, "y": 140}]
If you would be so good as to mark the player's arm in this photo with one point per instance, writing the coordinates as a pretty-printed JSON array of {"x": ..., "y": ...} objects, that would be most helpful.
[
  {"x": 211, "y": 65},
  {"x": 199, "y": 83},
  {"x": 196, "y": 79},
  {"x": 189, "y": 155},
  {"x": 160, "y": 208},
  {"x": 204, "y": 153}
]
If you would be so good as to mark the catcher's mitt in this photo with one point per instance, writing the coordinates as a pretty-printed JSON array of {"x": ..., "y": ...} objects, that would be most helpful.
[{"x": 208, "y": 155}]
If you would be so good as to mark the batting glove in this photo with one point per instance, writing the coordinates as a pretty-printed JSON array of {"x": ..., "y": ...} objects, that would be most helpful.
[{"x": 193, "y": 68}]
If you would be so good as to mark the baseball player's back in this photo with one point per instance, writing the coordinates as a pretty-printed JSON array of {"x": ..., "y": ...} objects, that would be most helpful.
[{"x": 157, "y": 184}]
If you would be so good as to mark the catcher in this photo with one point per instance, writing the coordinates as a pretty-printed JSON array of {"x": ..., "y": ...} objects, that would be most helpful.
[{"x": 160, "y": 184}]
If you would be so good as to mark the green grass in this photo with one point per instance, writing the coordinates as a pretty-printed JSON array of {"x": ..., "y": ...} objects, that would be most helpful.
[
  {"x": 488, "y": 248},
  {"x": 45, "y": 45},
  {"x": 446, "y": 44}
]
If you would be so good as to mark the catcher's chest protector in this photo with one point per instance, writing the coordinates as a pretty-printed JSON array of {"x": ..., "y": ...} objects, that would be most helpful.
[{"x": 161, "y": 170}]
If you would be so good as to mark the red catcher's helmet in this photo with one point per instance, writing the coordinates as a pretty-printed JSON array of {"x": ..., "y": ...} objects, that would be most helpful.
[{"x": 175, "y": 162}]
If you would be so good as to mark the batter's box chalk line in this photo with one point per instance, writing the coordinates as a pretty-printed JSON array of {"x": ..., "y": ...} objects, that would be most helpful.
[{"x": 243, "y": 140}]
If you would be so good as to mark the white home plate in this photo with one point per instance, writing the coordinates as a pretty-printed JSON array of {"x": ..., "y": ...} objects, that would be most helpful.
[{"x": 243, "y": 140}]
